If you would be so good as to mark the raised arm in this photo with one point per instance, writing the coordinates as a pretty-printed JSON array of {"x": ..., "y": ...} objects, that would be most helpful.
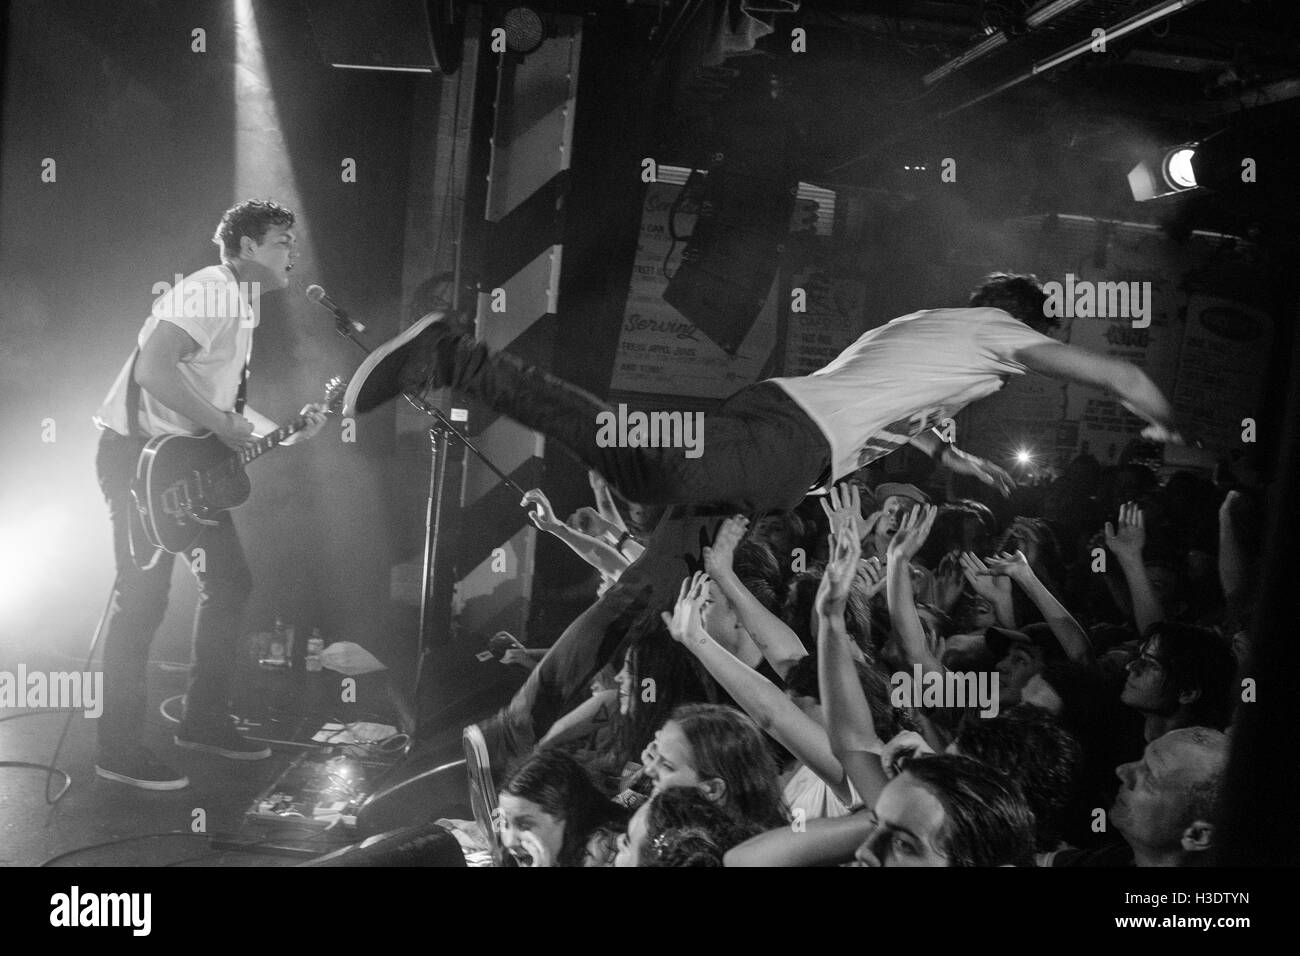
[
  {"x": 583, "y": 721},
  {"x": 964, "y": 463},
  {"x": 1126, "y": 541},
  {"x": 781, "y": 647},
  {"x": 992, "y": 588},
  {"x": 598, "y": 554},
  {"x": 907, "y": 540},
  {"x": 1128, "y": 383},
  {"x": 771, "y": 709},
  {"x": 849, "y": 725},
  {"x": 1069, "y": 632},
  {"x": 605, "y": 501},
  {"x": 823, "y": 842}
]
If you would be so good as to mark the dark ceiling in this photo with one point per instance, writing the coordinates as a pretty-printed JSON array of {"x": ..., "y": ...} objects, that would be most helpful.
[{"x": 859, "y": 107}]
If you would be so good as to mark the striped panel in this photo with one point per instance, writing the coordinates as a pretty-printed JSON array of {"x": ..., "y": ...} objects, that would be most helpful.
[{"x": 528, "y": 181}]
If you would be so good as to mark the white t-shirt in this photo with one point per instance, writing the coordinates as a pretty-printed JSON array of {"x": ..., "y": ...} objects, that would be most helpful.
[
  {"x": 906, "y": 377},
  {"x": 810, "y": 793},
  {"x": 210, "y": 306}
]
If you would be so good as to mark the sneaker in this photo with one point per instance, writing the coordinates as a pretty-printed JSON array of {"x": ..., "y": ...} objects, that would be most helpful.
[
  {"x": 139, "y": 768},
  {"x": 222, "y": 740},
  {"x": 384, "y": 374},
  {"x": 482, "y": 791}
]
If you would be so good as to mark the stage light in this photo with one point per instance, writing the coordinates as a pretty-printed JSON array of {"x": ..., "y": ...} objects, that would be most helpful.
[
  {"x": 1178, "y": 167},
  {"x": 1164, "y": 174},
  {"x": 524, "y": 30}
]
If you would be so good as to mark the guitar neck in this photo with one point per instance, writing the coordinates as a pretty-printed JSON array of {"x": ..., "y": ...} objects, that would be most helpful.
[{"x": 271, "y": 439}]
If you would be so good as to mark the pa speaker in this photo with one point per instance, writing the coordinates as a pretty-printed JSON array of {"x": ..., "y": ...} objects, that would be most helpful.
[
  {"x": 731, "y": 258},
  {"x": 401, "y": 35}
]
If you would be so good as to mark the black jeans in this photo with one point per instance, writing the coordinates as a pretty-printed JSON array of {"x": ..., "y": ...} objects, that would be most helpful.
[
  {"x": 140, "y": 601},
  {"x": 761, "y": 452}
]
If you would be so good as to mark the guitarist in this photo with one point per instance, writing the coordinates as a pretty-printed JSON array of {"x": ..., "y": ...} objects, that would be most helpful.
[{"x": 187, "y": 377}]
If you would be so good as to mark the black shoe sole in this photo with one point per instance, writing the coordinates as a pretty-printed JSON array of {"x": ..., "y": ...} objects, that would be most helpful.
[
  {"x": 180, "y": 783},
  {"x": 378, "y": 379},
  {"x": 222, "y": 751}
]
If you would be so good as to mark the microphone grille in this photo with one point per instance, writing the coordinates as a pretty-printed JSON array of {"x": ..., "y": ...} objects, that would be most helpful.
[{"x": 315, "y": 293}]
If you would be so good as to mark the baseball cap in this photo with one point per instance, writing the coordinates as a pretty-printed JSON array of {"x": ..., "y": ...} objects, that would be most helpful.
[{"x": 887, "y": 489}]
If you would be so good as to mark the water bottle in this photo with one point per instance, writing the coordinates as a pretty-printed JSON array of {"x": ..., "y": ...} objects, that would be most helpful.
[
  {"x": 315, "y": 644},
  {"x": 276, "y": 656}
]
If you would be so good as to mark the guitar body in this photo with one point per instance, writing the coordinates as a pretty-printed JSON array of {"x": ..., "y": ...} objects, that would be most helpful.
[{"x": 182, "y": 484}]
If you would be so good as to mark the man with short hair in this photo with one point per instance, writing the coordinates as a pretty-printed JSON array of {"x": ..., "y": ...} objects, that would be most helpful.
[
  {"x": 1167, "y": 806},
  {"x": 1020, "y": 655},
  {"x": 1182, "y": 677},
  {"x": 186, "y": 378}
]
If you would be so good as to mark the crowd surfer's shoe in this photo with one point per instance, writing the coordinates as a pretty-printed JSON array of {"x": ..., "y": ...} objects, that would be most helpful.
[{"x": 405, "y": 363}]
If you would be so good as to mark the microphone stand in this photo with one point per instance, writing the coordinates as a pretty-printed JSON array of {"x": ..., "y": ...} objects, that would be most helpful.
[{"x": 441, "y": 434}]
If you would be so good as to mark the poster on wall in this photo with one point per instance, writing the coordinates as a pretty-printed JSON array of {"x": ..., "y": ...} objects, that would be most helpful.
[
  {"x": 1221, "y": 373},
  {"x": 1115, "y": 288},
  {"x": 830, "y": 321},
  {"x": 660, "y": 351}
]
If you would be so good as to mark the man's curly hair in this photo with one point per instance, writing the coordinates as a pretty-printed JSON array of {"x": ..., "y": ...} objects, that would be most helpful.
[
  {"x": 252, "y": 218},
  {"x": 1021, "y": 296}
]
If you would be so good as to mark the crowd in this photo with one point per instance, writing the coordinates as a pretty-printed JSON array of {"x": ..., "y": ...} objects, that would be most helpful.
[{"x": 896, "y": 677}]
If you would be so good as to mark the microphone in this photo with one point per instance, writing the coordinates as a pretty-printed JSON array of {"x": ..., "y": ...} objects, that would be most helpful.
[{"x": 317, "y": 295}]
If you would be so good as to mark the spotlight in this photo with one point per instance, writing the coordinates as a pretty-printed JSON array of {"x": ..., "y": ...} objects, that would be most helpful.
[
  {"x": 1178, "y": 167},
  {"x": 1171, "y": 173},
  {"x": 524, "y": 30},
  {"x": 1024, "y": 457}
]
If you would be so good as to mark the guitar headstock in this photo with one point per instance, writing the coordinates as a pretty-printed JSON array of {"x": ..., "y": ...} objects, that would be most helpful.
[{"x": 334, "y": 391}]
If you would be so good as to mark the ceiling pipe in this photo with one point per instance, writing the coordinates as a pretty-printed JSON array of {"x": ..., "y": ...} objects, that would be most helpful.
[{"x": 1136, "y": 22}]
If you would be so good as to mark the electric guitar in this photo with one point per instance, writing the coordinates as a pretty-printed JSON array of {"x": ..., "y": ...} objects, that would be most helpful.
[{"x": 183, "y": 482}]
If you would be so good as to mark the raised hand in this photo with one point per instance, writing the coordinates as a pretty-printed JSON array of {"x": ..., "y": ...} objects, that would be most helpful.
[
  {"x": 1165, "y": 434},
  {"x": 544, "y": 517},
  {"x": 719, "y": 556},
  {"x": 1126, "y": 541},
  {"x": 990, "y": 586},
  {"x": 841, "y": 569},
  {"x": 841, "y": 505},
  {"x": 911, "y": 533},
  {"x": 1014, "y": 566},
  {"x": 949, "y": 582},
  {"x": 872, "y": 572},
  {"x": 987, "y": 472},
  {"x": 686, "y": 622},
  {"x": 902, "y": 747}
]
